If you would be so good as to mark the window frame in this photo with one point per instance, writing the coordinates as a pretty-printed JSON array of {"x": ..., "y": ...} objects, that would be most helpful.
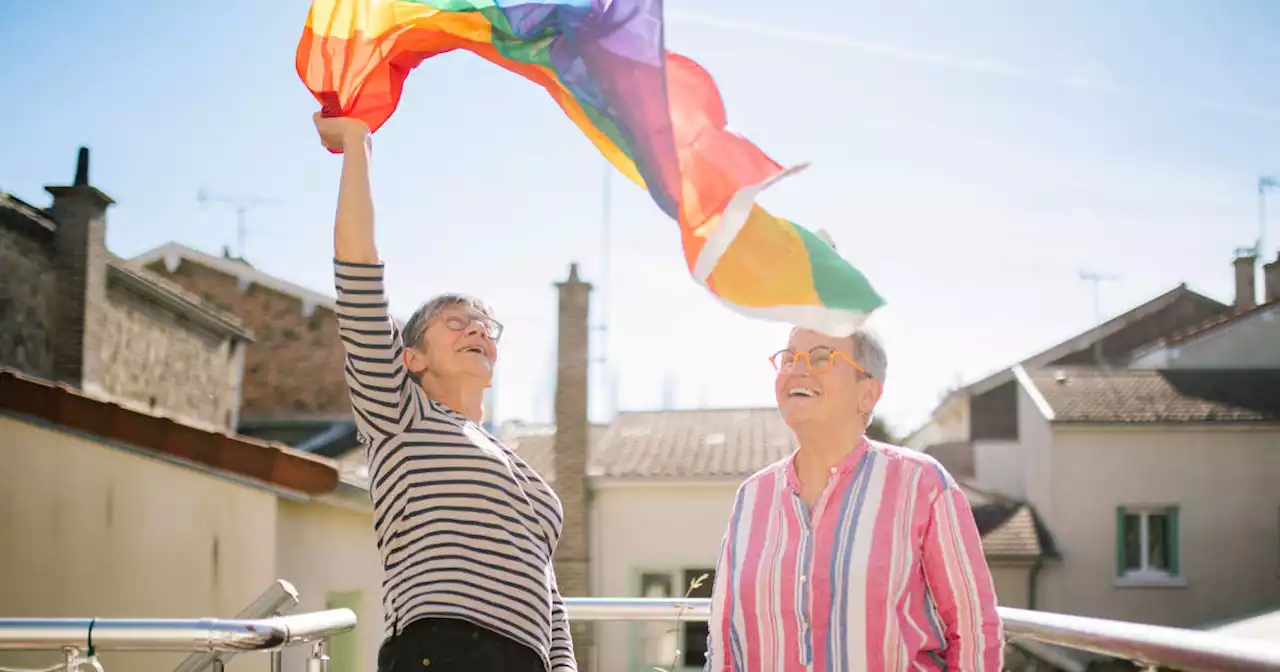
[
  {"x": 675, "y": 574},
  {"x": 1145, "y": 575}
]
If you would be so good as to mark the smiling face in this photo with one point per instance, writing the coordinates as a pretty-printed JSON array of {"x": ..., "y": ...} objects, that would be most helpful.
[
  {"x": 459, "y": 341},
  {"x": 819, "y": 380}
]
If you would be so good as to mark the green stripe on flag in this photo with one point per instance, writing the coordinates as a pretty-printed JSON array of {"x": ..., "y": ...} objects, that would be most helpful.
[{"x": 838, "y": 283}]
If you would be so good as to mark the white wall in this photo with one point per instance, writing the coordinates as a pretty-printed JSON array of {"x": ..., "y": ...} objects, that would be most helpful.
[
  {"x": 653, "y": 526},
  {"x": 94, "y": 530}
]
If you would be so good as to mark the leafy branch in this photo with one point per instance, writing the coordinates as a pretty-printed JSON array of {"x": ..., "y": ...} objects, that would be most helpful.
[{"x": 695, "y": 584}]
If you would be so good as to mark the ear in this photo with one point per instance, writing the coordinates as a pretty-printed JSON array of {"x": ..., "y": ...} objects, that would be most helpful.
[
  {"x": 870, "y": 396},
  {"x": 415, "y": 361}
]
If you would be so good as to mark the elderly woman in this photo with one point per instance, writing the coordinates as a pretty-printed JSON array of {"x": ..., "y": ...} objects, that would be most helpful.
[
  {"x": 465, "y": 528},
  {"x": 850, "y": 554}
]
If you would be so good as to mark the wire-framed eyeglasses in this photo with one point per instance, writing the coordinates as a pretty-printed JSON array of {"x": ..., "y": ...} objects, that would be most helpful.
[
  {"x": 462, "y": 321},
  {"x": 817, "y": 360}
]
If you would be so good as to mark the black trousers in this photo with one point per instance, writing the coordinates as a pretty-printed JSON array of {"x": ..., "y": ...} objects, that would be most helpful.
[{"x": 454, "y": 645}]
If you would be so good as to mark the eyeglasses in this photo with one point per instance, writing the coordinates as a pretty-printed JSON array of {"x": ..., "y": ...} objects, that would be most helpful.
[
  {"x": 459, "y": 322},
  {"x": 817, "y": 360}
]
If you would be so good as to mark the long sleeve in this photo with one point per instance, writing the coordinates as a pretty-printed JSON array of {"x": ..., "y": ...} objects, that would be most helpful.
[
  {"x": 960, "y": 581},
  {"x": 562, "y": 656},
  {"x": 376, "y": 376}
]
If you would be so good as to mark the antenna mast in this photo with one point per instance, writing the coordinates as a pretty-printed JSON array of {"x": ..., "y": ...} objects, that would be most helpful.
[
  {"x": 1097, "y": 279},
  {"x": 241, "y": 205},
  {"x": 609, "y": 386}
]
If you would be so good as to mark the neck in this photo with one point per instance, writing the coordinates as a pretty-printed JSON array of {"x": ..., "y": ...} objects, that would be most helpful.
[
  {"x": 463, "y": 396},
  {"x": 823, "y": 445}
]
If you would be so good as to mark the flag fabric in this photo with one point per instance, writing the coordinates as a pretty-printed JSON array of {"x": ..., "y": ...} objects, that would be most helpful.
[{"x": 655, "y": 115}]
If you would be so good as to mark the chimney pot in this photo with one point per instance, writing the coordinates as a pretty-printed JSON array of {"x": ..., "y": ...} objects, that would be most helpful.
[
  {"x": 1246, "y": 290},
  {"x": 82, "y": 168}
]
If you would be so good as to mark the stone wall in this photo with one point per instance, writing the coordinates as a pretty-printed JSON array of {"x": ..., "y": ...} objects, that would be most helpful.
[
  {"x": 27, "y": 290},
  {"x": 294, "y": 367},
  {"x": 151, "y": 355}
]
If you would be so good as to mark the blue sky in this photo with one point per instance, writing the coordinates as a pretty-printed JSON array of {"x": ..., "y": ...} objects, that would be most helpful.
[{"x": 971, "y": 160}]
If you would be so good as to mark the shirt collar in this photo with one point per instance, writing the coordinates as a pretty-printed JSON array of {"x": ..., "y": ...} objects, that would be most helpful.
[{"x": 845, "y": 466}]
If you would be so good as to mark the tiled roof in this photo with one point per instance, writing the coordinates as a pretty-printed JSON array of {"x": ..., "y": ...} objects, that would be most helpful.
[
  {"x": 1211, "y": 324},
  {"x": 125, "y": 422},
  {"x": 723, "y": 443},
  {"x": 1086, "y": 394},
  {"x": 1009, "y": 528}
]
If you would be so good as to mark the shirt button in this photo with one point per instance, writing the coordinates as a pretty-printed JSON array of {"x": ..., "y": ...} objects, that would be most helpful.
[
  {"x": 834, "y": 471},
  {"x": 803, "y": 579}
]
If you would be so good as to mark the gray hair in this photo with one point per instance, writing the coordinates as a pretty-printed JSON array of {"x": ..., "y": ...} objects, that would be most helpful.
[
  {"x": 417, "y": 324},
  {"x": 869, "y": 353}
]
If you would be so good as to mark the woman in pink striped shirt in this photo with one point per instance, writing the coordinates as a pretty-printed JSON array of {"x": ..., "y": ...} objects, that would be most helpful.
[{"x": 851, "y": 554}]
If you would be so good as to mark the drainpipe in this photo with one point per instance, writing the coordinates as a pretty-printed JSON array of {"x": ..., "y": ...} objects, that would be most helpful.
[{"x": 1031, "y": 582}]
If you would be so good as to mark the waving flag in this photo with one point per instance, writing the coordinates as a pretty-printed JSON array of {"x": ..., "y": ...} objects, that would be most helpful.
[{"x": 655, "y": 115}]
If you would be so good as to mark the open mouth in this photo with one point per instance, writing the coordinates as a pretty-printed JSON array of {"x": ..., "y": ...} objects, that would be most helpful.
[
  {"x": 475, "y": 349},
  {"x": 802, "y": 392}
]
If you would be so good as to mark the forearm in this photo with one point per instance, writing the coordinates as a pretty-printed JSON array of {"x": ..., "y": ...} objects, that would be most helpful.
[
  {"x": 957, "y": 574},
  {"x": 562, "y": 655},
  {"x": 353, "y": 236}
]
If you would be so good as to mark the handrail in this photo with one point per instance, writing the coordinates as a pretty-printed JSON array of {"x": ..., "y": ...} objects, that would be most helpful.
[
  {"x": 204, "y": 634},
  {"x": 278, "y": 599},
  {"x": 1147, "y": 645}
]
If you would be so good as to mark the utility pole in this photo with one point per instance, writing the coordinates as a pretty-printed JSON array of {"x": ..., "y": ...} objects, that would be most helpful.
[
  {"x": 608, "y": 387},
  {"x": 241, "y": 205},
  {"x": 1097, "y": 279}
]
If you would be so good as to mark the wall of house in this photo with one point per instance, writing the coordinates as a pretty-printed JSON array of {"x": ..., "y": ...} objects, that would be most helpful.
[
  {"x": 149, "y": 354},
  {"x": 998, "y": 467},
  {"x": 1223, "y": 480},
  {"x": 294, "y": 367},
  {"x": 1249, "y": 343},
  {"x": 1038, "y": 458},
  {"x": 1012, "y": 582},
  {"x": 950, "y": 422},
  {"x": 91, "y": 529},
  {"x": 27, "y": 291},
  {"x": 329, "y": 553},
  {"x": 650, "y": 527}
]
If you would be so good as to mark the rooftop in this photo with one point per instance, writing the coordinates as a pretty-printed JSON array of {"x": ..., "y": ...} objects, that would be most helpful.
[{"x": 1094, "y": 395}]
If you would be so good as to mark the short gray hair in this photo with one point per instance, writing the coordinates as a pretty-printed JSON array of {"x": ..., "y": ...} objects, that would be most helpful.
[
  {"x": 869, "y": 353},
  {"x": 417, "y": 324}
]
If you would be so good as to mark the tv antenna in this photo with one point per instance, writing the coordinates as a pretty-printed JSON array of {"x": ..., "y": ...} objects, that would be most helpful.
[
  {"x": 241, "y": 205},
  {"x": 1097, "y": 279}
]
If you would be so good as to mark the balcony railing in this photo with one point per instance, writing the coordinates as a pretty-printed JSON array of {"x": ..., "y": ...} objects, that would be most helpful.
[
  {"x": 1147, "y": 646},
  {"x": 262, "y": 627}
]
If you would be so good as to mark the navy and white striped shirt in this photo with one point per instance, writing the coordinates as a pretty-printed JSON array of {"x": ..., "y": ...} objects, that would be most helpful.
[{"x": 465, "y": 527}]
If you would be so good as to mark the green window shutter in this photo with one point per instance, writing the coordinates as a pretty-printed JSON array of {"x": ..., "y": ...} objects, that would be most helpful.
[
  {"x": 344, "y": 649},
  {"x": 1120, "y": 541},
  {"x": 1172, "y": 535}
]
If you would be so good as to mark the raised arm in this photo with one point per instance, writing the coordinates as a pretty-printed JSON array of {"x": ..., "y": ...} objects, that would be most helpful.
[
  {"x": 960, "y": 582},
  {"x": 376, "y": 376}
]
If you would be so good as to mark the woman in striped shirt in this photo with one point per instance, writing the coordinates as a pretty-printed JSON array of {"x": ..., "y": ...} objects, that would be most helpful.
[
  {"x": 465, "y": 528},
  {"x": 851, "y": 554}
]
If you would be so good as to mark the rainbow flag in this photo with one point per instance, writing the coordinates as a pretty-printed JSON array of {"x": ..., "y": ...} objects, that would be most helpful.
[{"x": 655, "y": 115}]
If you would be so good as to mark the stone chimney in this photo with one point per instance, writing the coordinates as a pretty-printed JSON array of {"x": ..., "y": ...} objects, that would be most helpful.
[
  {"x": 1246, "y": 291},
  {"x": 570, "y": 452},
  {"x": 1271, "y": 280},
  {"x": 80, "y": 212}
]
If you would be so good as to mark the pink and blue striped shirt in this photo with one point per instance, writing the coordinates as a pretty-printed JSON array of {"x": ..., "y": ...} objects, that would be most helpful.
[{"x": 887, "y": 574}]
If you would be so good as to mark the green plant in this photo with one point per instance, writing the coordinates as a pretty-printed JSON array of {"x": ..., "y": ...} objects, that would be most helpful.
[{"x": 693, "y": 585}]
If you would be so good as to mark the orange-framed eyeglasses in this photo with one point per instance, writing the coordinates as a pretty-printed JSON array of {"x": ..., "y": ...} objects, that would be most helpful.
[{"x": 817, "y": 360}]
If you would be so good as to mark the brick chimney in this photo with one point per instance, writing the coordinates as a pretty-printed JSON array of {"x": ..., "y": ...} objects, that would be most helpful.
[
  {"x": 80, "y": 212},
  {"x": 570, "y": 452},
  {"x": 1246, "y": 290},
  {"x": 1271, "y": 280}
]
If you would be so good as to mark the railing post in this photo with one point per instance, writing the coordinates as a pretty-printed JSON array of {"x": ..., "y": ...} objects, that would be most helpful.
[{"x": 319, "y": 660}]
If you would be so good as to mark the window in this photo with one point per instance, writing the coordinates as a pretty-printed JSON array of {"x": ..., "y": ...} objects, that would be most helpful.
[
  {"x": 660, "y": 643},
  {"x": 344, "y": 649},
  {"x": 1147, "y": 542}
]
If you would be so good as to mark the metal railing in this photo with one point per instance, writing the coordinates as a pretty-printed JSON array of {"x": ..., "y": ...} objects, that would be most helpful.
[
  {"x": 1147, "y": 646},
  {"x": 261, "y": 626}
]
